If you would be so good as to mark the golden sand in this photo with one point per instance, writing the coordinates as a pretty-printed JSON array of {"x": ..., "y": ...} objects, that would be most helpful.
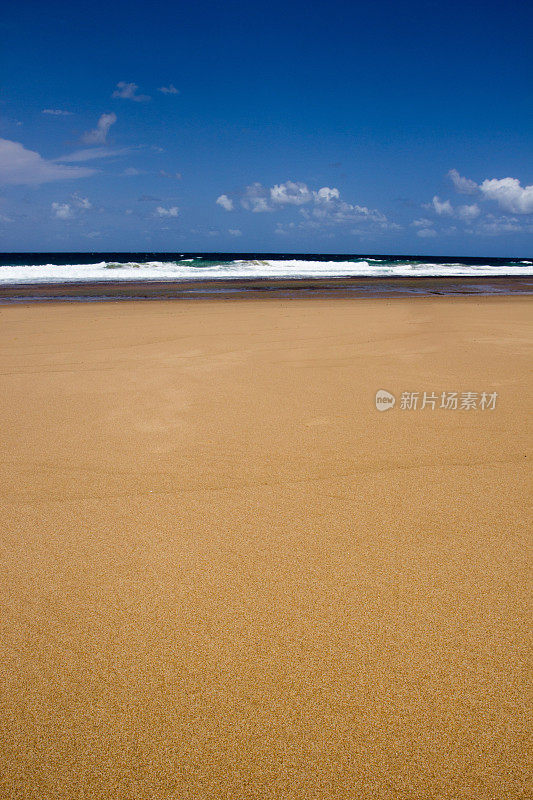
[{"x": 225, "y": 575}]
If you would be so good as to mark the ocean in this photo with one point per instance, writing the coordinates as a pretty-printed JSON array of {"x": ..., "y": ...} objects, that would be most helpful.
[{"x": 92, "y": 276}]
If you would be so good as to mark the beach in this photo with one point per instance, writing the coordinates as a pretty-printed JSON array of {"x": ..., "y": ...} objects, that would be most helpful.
[{"x": 227, "y": 576}]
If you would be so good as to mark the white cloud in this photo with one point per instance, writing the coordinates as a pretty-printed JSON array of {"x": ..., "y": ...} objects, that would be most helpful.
[
  {"x": 19, "y": 166},
  {"x": 469, "y": 213},
  {"x": 509, "y": 194},
  {"x": 426, "y": 233},
  {"x": 290, "y": 193},
  {"x": 92, "y": 154},
  {"x": 128, "y": 91},
  {"x": 56, "y": 112},
  {"x": 326, "y": 195},
  {"x": 99, "y": 134},
  {"x": 422, "y": 223},
  {"x": 441, "y": 207},
  {"x": 495, "y": 226},
  {"x": 62, "y": 210},
  {"x": 235, "y": 232},
  {"x": 175, "y": 175},
  {"x": 170, "y": 89},
  {"x": 173, "y": 211},
  {"x": 462, "y": 185},
  {"x": 256, "y": 199},
  {"x": 81, "y": 202},
  {"x": 225, "y": 202},
  {"x": 320, "y": 208},
  {"x": 131, "y": 172}
]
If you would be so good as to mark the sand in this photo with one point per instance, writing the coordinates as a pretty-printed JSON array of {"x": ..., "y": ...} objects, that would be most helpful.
[{"x": 224, "y": 574}]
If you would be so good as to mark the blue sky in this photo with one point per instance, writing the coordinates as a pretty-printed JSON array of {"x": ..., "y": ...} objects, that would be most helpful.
[{"x": 289, "y": 126}]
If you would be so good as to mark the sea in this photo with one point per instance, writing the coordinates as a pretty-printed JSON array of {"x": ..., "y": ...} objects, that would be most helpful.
[{"x": 230, "y": 272}]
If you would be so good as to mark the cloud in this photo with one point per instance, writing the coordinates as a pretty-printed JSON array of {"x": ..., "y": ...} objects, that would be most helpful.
[
  {"x": 495, "y": 226},
  {"x": 326, "y": 195},
  {"x": 56, "y": 112},
  {"x": 469, "y": 213},
  {"x": 92, "y": 154},
  {"x": 462, "y": 185},
  {"x": 320, "y": 208},
  {"x": 99, "y": 134},
  {"x": 19, "y": 166},
  {"x": 131, "y": 172},
  {"x": 225, "y": 202},
  {"x": 256, "y": 199},
  {"x": 173, "y": 211},
  {"x": 441, "y": 207},
  {"x": 422, "y": 223},
  {"x": 81, "y": 202},
  {"x": 426, "y": 233},
  {"x": 175, "y": 175},
  {"x": 170, "y": 89},
  {"x": 62, "y": 210},
  {"x": 509, "y": 194},
  {"x": 290, "y": 193},
  {"x": 128, "y": 91},
  {"x": 235, "y": 232}
]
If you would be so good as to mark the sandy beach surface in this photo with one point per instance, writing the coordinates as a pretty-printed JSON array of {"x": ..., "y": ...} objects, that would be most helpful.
[{"x": 226, "y": 575}]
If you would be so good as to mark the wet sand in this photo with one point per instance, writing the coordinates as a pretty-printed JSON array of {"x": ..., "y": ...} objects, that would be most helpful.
[{"x": 225, "y": 575}]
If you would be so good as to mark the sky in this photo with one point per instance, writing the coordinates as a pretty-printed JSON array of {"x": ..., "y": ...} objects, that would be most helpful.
[{"x": 340, "y": 127}]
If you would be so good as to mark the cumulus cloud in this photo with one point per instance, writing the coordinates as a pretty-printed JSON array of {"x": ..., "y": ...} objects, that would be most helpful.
[
  {"x": 19, "y": 166},
  {"x": 99, "y": 134},
  {"x": 56, "y": 112},
  {"x": 509, "y": 194},
  {"x": 290, "y": 193},
  {"x": 170, "y": 89},
  {"x": 173, "y": 211},
  {"x": 225, "y": 202},
  {"x": 62, "y": 210},
  {"x": 462, "y": 185},
  {"x": 441, "y": 207},
  {"x": 326, "y": 195},
  {"x": 128, "y": 91},
  {"x": 256, "y": 198},
  {"x": 320, "y": 208}
]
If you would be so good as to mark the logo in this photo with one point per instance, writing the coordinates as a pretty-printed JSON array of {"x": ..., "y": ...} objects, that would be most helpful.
[{"x": 384, "y": 400}]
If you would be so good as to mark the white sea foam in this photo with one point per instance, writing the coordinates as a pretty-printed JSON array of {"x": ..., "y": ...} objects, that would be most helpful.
[{"x": 103, "y": 271}]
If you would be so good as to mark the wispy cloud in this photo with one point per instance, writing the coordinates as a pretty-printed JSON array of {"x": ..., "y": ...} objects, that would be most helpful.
[
  {"x": 19, "y": 166},
  {"x": 441, "y": 207},
  {"x": 170, "y": 89},
  {"x": 93, "y": 154},
  {"x": 128, "y": 91},
  {"x": 234, "y": 232},
  {"x": 56, "y": 112},
  {"x": 462, "y": 185},
  {"x": 99, "y": 134},
  {"x": 173, "y": 211},
  {"x": 62, "y": 210},
  {"x": 77, "y": 204}
]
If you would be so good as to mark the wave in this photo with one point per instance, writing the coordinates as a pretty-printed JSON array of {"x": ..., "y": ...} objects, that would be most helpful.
[{"x": 199, "y": 268}]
